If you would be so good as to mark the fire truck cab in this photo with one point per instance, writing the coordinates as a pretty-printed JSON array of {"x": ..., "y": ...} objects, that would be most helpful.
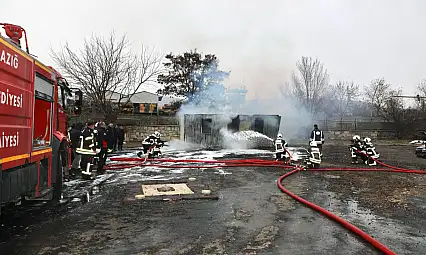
[{"x": 34, "y": 148}]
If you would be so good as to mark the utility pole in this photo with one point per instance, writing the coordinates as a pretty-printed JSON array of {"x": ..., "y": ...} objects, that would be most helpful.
[{"x": 160, "y": 97}]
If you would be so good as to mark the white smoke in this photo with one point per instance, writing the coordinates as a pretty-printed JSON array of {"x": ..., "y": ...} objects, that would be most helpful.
[
  {"x": 179, "y": 145},
  {"x": 295, "y": 120},
  {"x": 215, "y": 99}
]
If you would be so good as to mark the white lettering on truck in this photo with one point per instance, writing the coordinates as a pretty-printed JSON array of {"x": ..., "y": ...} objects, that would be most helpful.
[
  {"x": 9, "y": 59},
  {"x": 8, "y": 98},
  {"x": 9, "y": 140}
]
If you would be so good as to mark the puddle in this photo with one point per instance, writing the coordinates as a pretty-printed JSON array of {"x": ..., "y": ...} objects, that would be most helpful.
[
  {"x": 389, "y": 230},
  {"x": 329, "y": 176}
]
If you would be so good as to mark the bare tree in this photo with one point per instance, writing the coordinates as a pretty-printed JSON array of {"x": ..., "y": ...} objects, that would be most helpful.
[
  {"x": 422, "y": 88},
  {"x": 310, "y": 84},
  {"x": 388, "y": 104},
  {"x": 107, "y": 71},
  {"x": 377, "y": 93},
  {"x": 343, "y": 95}
]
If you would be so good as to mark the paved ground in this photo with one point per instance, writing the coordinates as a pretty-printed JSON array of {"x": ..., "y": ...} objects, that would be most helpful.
[{"x": 251, "y": 216}]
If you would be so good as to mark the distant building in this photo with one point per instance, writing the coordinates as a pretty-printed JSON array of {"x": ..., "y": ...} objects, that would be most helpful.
[{"x": 143, "y": 102}]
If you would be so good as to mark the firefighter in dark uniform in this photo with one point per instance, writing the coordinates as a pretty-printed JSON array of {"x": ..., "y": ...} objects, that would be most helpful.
[
  {"x": 158, "y": 143},
  {"x": 149, "y": 141},
  {"x": 317, "y": 136},
  {"x": 370, "y": 149},
  {"x": 102, "y": 146},
  {"x": 87, "y": 147},
  {"x": 74, "y": 136},
  {"x": 116, "y": 131},
  {"x": 356, "y": 149},
  {"x": 280, "y": 144},
  {"x": 120, "y": 138},
  {"x": 111, "y": 137}
]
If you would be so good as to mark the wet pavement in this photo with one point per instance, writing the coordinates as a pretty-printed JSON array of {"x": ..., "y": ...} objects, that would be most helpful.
[{"x": 251, "y": 215}]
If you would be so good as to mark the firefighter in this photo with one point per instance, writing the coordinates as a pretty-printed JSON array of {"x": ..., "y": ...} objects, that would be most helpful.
[
  {"x": 357, "y": 149},
  {"x": 314, "y": 155},
  {"x": 318, "y": 136},
  {"x": 280, "y": 144},
  {"x": 370, "y": 149},
  {"x": 111, "y": 137},
  {"x": 102, "y": 143},
  {"x": 87, "y": 147},
  {"x": 120, "y": 138},
  {"x": 157, "y": 144},
  {"x": 151, "y": 140},
  {"x": 74, "y": 136}
]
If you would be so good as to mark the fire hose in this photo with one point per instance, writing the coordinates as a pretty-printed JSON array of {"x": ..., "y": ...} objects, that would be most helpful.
[{"x": 269, "y": 163}]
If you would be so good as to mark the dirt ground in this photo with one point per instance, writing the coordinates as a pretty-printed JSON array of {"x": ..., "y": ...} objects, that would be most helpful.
[{"x": 251, "y": 215}]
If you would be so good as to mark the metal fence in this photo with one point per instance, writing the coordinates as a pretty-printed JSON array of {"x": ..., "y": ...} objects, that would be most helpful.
[{"x": 347, "y": 125}]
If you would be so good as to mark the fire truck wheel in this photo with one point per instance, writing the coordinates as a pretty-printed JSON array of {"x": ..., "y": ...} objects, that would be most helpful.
[{"x": 57, "y": 189}]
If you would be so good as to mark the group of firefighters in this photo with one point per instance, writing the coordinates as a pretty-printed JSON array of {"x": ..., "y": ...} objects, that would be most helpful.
[
  {"x": 95, "y": 141},
  {"x": 90, "y": 141},
  {"x": 363, "y": 149},
  {"x": 316, "y": 141},
  {"x": 360, "y": 148}
]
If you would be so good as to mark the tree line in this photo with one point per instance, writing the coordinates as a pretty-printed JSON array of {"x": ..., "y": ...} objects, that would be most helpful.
[{"x": 310, "y": 86}]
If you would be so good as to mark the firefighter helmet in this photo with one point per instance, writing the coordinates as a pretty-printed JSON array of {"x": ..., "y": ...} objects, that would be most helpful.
[
  {"x": 356, "y": 137},
  {"x": 280, "y": 136},
  {"x": 367, "y": 140},
  {"x": 157, "y": 134}
]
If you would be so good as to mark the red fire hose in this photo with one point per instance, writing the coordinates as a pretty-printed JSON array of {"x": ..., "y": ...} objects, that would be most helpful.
[
  {"x": 271, "y": 163},
  {"x": 334, "y": 217}
]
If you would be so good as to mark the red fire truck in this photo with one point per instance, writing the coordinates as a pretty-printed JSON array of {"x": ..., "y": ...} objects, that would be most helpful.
[{"x": 34, "y": 148}]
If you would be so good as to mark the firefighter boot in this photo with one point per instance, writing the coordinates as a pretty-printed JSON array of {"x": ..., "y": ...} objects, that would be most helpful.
[
  {"x": 87, "y": 173},
  {"x": 372, "y": 162},
  {"x": 354, "y": 160}
]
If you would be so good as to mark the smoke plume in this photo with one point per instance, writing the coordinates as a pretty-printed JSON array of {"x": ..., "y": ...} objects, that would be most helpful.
[{"x": 216, "y": 99}]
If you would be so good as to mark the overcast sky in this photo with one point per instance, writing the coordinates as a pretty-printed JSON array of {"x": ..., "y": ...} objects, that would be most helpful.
[{"x": 258, "y": 41}]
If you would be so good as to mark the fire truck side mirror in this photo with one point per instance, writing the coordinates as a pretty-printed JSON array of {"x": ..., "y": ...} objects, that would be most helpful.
[{"x": 78, "y": 99}]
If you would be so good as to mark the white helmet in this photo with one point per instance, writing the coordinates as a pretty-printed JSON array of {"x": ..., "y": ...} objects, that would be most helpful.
[
  {"x": 367, "y": 140},
  {"x": 280, "y": 136},
  {"x": 313, "y": 144},
  {"x": 356, "y": 137},
  {"x": 157, "y": 134}
]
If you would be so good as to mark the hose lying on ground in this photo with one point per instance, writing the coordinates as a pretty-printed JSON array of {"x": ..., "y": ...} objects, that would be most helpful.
[
  {"x": 270, "y": 163},
  {"x": 334, "y": 217}
]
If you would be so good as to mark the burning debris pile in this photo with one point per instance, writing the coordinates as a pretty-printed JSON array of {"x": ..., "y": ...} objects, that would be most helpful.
[{"x": 247, "y": 139}]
